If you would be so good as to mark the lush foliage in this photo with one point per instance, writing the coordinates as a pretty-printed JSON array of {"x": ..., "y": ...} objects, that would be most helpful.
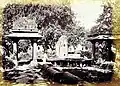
[
  {"x": 53, "y": 21},
  {"x": 104, "y": 22}
]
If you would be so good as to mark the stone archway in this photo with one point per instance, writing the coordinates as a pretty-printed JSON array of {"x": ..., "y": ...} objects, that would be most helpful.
[{"x": 25, "y": 29}]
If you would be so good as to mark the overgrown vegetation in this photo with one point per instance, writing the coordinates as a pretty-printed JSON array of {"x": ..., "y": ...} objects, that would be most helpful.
[
  {"x": 53, "y": 21},
  {"x": 104, "y": 22}
]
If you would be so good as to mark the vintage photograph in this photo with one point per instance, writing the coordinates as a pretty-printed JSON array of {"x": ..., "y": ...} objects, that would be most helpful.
[{"x": 64, "y": 44}]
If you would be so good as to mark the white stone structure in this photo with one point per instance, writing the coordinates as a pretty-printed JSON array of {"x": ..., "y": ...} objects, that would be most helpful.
[
  {"x": 62, "y": 47},
  {"x": 25, "y": 28},
  {"x": 24, "y": 23}
]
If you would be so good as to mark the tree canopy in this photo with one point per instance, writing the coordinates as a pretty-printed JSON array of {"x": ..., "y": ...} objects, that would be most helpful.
[
  {"x": 52, "y": 20},
  {"x": 104, "y": 22}
]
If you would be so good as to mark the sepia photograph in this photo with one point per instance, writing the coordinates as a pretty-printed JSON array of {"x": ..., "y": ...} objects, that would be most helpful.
[{"x": 59, "y": 43}]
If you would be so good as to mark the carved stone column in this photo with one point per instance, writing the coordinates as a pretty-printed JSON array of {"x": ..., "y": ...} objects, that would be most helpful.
[
  {"x": 93, "y": 49},
  {"x": 15, "y": 51},
  {"x": 34, "y": 50},
  {"x": 15, "y": 47}
]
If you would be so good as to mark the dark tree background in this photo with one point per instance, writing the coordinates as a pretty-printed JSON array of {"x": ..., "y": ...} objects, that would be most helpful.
[
  {"x": 45, "y": 16},
  {"x": 53, "y": 21}
]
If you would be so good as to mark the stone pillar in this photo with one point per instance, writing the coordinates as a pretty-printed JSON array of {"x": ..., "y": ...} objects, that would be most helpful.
[
  {"x": 15, "y": 48},
  {"x": 15, "y": 52},
  {"x": 93, "y": 49},
  {"x": 34, "y": 51}
]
